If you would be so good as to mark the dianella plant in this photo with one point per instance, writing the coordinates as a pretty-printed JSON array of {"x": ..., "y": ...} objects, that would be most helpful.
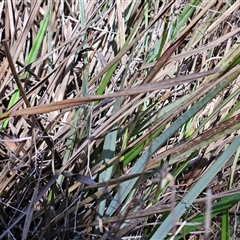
[{"x": 119, "y": 119}]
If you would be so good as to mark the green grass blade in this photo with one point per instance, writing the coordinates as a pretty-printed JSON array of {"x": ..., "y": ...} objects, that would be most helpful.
[
  {"x": 218, "y": 208},
  {"x": 38, "y": 41},
  {"x": 31, "y": 57},
  {"x": 109, "y": 149},
  {"x": 183, "y": 17},
  {"x": 225, "y": 229}
]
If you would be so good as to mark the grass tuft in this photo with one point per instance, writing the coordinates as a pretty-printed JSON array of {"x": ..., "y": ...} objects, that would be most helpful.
[{"x": 119, "y": 119}]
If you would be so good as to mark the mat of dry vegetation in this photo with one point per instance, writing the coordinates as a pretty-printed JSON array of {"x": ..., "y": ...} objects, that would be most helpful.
[{"x": 119, "y": 119}]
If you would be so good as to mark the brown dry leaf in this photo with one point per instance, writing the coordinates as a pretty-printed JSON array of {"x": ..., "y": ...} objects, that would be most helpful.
[{"x": 82, "y": 100}]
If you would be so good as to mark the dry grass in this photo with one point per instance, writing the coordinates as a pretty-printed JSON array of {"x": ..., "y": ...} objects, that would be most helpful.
[{"x": 122, "y": 114}]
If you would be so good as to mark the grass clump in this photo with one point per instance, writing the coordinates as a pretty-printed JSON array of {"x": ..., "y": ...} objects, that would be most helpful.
[{"x": 120, "y": 120}]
